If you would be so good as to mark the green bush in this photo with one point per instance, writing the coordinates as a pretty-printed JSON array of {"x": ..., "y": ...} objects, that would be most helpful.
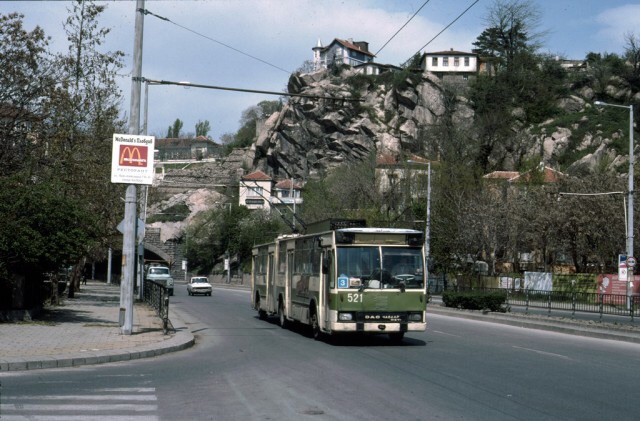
[{"x": 474, "y": 300}]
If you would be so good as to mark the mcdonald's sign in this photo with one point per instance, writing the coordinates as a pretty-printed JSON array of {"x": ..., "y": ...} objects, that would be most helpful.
[
  {"x": 132, "y": 159},
  {"x": 133, "y": 156}
]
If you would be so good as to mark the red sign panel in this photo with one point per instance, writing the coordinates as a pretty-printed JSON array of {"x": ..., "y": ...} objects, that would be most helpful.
[{"x": 133, "y": 155}]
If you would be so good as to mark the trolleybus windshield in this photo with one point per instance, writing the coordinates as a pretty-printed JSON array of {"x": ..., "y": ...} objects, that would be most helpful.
[{"x": 380, "y": 267}]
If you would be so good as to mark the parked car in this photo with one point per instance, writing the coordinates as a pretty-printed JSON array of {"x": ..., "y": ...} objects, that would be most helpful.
[
  {"x": 161, "y": 275},
  {"x": 199, "y": 285}
]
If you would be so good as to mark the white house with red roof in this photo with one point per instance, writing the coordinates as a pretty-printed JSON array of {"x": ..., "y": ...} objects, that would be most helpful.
[
  {"x": 339, "y": 51},
  {"x": 450, "y": 65},
  {"x": 255, "y": 190},
  {"x": 260, "y": 191}
]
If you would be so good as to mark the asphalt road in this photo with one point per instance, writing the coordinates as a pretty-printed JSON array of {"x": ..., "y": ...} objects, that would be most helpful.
[{"x": 242, "y": 368}]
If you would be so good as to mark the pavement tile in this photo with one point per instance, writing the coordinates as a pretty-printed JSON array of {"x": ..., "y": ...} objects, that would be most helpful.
[{"x": 85, "y": 330}]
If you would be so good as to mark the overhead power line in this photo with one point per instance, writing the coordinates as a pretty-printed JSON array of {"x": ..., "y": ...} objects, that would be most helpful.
[
  {"x": 254, "y": 91},
  {"x": 447, "y": 27},
  {"x": 147, "y": 12},
  {"x": 402, "y": 27}
]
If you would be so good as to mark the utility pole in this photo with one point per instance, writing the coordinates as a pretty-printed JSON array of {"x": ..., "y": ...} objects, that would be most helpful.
[{"x": 129, "y": 238}]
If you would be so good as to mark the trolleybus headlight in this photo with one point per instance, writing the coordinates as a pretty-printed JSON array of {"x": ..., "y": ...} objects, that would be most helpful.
[
  {"x": 415, "y": 317},
  {"x": 345, "y": 317}
]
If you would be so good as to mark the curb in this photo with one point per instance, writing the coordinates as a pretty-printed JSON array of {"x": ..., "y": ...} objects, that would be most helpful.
[
  {"x": 548, "y": 325},
  {"x": 182, "y": 339}
]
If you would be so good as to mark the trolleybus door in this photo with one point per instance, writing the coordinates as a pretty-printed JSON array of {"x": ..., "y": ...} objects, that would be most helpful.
[
  {"x": 327, "y": 271},
  {"x": 270, "y": 285}
]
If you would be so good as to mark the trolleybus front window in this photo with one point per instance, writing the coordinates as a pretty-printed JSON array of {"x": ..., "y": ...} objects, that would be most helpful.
[{"x": 380, "y": 267}]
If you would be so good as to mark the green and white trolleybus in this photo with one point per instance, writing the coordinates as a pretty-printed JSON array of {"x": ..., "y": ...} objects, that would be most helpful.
[{"x": 343, "y": 280}]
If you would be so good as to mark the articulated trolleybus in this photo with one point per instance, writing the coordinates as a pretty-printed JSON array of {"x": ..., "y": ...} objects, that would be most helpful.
[{"x": 343, "y": 278}]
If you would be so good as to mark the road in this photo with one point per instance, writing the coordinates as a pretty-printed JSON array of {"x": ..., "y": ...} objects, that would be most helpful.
[{"x": 242, "y": 368}]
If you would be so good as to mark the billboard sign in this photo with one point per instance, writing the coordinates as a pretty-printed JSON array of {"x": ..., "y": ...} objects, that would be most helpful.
[{"x": 132, "y": 159}]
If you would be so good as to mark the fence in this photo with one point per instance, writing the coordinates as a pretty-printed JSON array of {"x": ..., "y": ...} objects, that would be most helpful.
[
  {"x": 588, "y": 302},
  {"x": 157, "y": 296}
]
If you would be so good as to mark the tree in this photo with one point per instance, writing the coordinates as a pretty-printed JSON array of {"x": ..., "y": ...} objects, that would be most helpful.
[
  {"x": 203, "y": 128},
  {"x": 25, "y": 80},
  {"x": 64, "y": 115},
  {"x": 632, "y": 54},
  {"x": 174, "y": 130},
  {"x": 510, "y": 31},
  {"x": 234, "y": 230}
]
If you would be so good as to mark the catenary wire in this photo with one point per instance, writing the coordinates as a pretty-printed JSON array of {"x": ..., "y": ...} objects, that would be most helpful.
[
  {"x": 255, "y": 91},
  {"x": 447, "y": 27},
  {"x": 147, "y": 12},
  {"x": 402, "y": 27}
]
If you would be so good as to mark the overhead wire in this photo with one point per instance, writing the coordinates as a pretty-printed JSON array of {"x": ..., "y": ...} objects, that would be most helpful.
[
  {"x": 447, "y": 27},
  {"x": 147, "y": 12},
  {"x": 255, "y": 91},
  {"x": 402, "y": 27}
]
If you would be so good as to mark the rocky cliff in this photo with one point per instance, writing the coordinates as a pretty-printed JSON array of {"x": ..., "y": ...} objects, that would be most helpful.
[{"x": 310, "y": 136}]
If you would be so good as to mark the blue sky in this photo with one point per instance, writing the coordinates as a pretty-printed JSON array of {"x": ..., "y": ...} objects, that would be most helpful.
[{"x": 282, "y": 32}]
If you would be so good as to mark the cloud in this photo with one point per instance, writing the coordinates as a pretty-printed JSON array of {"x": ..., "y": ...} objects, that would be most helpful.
[{"x": 618, "y": 21}]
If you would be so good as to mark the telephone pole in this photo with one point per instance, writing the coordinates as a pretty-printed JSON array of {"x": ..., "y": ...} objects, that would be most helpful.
[{"x": 129, "y": 238}]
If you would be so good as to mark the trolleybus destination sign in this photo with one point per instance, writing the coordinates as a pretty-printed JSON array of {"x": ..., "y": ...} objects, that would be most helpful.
[{"x": 132, "y": 159}]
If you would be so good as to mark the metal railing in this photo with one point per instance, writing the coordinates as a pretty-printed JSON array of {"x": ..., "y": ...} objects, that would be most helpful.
[
  {"x": 573, "y": 301},
  {"x": 157, "y": 296}
]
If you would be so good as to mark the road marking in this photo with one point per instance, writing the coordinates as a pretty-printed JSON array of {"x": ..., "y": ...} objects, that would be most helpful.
[
  {"x": 448, "y": 334},
  {"x": 537, "y": 351},
  {"x": 84, "y": 397}
]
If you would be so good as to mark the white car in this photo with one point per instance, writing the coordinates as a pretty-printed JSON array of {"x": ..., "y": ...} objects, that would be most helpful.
[{"x": 199, "y": 285}]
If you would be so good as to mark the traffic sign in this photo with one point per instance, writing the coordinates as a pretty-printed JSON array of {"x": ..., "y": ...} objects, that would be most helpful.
[{"x": 631, "y": 261}]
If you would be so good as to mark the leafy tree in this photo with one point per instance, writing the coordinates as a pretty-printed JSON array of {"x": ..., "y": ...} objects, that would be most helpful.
[
  {"x": 510, "y": 31},
  {"x": 246, "y": 134},
  {"x": 25, "y": 81},
  {"x": 203, "y": 128},
  {"x": 235, "y": 230},
  {"x": 174, "y": 130},
  {"x": 64, "y": 117}
]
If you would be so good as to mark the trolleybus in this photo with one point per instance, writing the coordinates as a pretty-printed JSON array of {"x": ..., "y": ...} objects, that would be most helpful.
[{"x": 343, "y": 280}]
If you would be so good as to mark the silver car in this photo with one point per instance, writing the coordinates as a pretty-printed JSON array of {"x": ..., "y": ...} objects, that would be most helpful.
[{"x": 199, "y": 285}]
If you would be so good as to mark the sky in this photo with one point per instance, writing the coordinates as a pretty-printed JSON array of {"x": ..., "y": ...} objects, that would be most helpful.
[{"x": 282, "y": 33}]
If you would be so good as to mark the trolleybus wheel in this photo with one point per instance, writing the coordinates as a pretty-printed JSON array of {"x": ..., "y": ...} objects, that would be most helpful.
[
  {"x": 282, "y": 319},
  {"x": 315, "y": 326},
  {"x": 262, "y": 315}
]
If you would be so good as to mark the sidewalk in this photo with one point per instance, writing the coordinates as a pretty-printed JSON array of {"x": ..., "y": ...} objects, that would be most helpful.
[
  {"x": 85, "y": 330},
  {"x": 582, "y": 323}
]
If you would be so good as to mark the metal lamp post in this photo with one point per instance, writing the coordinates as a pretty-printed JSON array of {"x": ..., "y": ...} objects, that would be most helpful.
[
  {"x": 427, "y": 228},
  {"x": 630, "y": 193}
]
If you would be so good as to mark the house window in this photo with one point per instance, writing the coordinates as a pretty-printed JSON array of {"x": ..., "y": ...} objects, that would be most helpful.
[
  {"x": 456, "y": 61},
  {"x": 466, "y": 61},
  {"x": 445, "y": 61},
  {"x": 254, "y": 192},
  {"x": 434, "y": 61}
]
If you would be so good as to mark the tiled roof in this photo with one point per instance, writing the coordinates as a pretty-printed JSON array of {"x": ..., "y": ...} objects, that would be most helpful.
[
  {"x": 287, "y": 184},
  {"x": 505, "y": 175},
  {"x": 353, "y": 46},
  {"x": 256, "y": 176},
  {"x": 550, "y": 175},
  {"x": 450, "y": 52}
]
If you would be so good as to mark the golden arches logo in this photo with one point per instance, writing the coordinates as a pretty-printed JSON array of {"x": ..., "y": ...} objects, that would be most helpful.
[{"x": 133, "y": 156}]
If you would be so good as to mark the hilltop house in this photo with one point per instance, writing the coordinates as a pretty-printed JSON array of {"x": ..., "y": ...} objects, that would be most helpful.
[
  {"x": 340, "y": 51},
  {"x": 451, "y": 66}
]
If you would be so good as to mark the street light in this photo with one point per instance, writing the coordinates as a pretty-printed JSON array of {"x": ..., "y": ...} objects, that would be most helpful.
[
  {"x": 427, "y": 227},
  {"x": 630, "y": 192}
]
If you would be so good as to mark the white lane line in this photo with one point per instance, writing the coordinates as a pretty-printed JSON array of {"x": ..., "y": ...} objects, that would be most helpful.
[
  {"x": 78, "y": 407},
  {"x": 537, "y": 351},
  {"x": 448, "y": 334},
  {"x": 84, "y": 398}
]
